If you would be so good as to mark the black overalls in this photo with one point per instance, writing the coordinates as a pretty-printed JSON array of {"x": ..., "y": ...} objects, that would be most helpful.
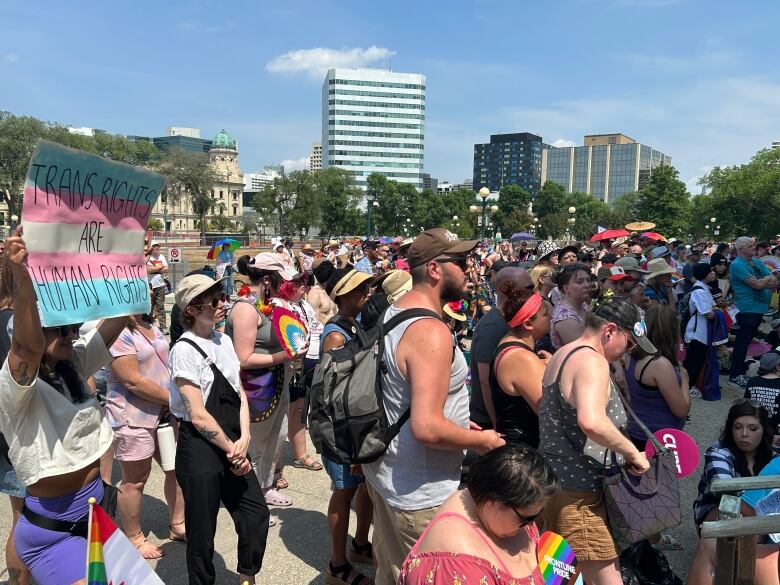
[{"x": 204, "y": 474}]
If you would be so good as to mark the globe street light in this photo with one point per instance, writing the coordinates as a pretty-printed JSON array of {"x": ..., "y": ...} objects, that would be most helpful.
[{"x": 572, "y": 221}]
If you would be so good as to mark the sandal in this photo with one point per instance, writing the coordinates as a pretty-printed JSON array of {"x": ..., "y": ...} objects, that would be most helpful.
[
  {"x": 280, "y": 482},
  {"x": 174, "y": 536},
  {"x": 272, "y": 520},
  {"x": 274, "y": 498},
  {"x": 668, "y": 542},
  {"x": 144, "y": 550},
  {"x": 361, "y": 553},
  {"x": 341, "y": 575},
  {"x": 301, "y": 463}
]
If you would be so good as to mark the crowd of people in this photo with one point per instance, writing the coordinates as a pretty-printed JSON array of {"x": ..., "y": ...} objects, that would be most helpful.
[{"x": 510, "y": 390}]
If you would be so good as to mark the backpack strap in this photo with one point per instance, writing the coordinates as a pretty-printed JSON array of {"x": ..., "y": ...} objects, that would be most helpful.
[{"x": 384, "y": 329}]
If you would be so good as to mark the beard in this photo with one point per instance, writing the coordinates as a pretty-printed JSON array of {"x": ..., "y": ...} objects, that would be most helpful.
[{"x": 453, "y": 289}]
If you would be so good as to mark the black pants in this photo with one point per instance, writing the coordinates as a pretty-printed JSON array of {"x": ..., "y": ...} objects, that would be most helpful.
[
  {"x": 695, "y": 358},
  {"x": 204, "y": 475}
]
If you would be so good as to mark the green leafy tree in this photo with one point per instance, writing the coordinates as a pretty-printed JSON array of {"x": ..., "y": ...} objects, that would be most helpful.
[
  {"x": 552, "y": 198},
  {"x": 190, "y": 177},
  {"x": 307, "y": 209},
  {"x": 625, "y": 210},
  {"x": 156, "y": 225},
  {"x": 745, "y": 199},
  {"x": 220, "y": 223},
  {"x": 518, "y": 220},
  {"x": 340, "y": 198},
  {"x": 553, "y": 225},
  {"x": 511, "y": 199},
  {"x": 384, "y": 216},
  {"x": 665, "y": 202}
]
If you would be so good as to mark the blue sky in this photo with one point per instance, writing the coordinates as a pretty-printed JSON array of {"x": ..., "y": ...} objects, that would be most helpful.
[{"x": 698, "y": 80}]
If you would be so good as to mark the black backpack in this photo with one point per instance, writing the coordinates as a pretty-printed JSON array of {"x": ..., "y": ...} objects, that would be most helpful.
[{"x": 347, "y": 419}]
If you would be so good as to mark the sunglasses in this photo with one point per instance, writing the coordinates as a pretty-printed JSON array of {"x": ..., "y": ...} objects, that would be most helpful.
[
  {"x": 214, "y": 302},
  {"x": 526, "y": 520},
  {"x": 65, "y": 330},
  {"x": 459, "y": 261}
]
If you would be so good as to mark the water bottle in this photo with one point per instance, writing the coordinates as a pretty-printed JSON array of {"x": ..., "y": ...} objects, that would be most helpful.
[{"x": 166, "y": 443}]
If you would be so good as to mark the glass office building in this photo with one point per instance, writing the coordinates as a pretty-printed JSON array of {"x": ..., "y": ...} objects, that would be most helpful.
[
  {"x": 509, "y": 159},
  {"x": 606, "y": 169},
  {"x": 373, "y": 121}
]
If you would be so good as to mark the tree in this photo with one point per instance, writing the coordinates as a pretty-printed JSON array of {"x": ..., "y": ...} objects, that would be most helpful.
[
  {"x": 190, "y": 177},
  {"x": 279, "y": 196},
  {"x": 340, "y": 199},
  {"x": 552, "y": 198},
  {"x": 518, "y": 220},
  {"x": 220, "y": 223},
  {"x": 511, "y": 198},
  {"x": 156, "y": 225},
  {"x": 385, "y": 216},
  {"x": 665, "y": 202},
  {"x": 306, "y": 210},
  {"x": 745, "y": 199}
]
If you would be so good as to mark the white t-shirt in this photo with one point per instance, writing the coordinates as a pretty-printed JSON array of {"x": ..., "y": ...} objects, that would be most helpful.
[
  {"x": 185, "y": 362},
  {"x": 154, "y": 261},
  {"x": 48, "y": 434},
  {"x": 700, "y": 304}
]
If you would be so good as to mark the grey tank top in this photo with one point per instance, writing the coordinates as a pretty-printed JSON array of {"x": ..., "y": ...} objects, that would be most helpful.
[
  {"x": 265, "y": 339},
  {"x": 411, "y": 476},
  {"x": 575, "y": 459}
]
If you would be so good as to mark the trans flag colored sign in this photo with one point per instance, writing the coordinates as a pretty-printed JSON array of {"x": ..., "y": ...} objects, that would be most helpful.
[{"x": 84, "y": 219}]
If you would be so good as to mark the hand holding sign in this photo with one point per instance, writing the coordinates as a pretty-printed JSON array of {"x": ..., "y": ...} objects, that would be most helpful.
[{"x": 85, "y": 218}]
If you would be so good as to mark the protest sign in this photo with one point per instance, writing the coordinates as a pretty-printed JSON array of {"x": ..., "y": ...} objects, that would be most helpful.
[
  {"x": 682, "y": 446},
  {"x": 84, "y": 219}
]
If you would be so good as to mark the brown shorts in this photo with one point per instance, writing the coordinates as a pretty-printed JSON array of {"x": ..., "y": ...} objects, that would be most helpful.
[{"x": 581, "y": 518}]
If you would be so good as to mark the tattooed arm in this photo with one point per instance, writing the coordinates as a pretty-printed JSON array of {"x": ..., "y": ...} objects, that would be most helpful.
[
  {"x": 192, "y": 398},
  {"x": 28, "y": 342}
]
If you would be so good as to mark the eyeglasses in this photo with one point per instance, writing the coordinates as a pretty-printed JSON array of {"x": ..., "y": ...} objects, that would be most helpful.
[
  {"x": 65, "y": 330},
  {"x": 459, "y": 261},
  {"x": 526, "y": 520},
  {"x": 214, "y": 302},
  {"x": 630, "y": 343}
]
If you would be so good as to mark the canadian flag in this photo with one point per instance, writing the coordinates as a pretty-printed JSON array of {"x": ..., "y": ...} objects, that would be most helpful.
[{"x": 111, "y": 557}]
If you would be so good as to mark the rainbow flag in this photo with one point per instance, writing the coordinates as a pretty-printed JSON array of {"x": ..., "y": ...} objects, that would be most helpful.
[
  {"x": 557, "y": 562},
  {"x": 111, "y": 557}
]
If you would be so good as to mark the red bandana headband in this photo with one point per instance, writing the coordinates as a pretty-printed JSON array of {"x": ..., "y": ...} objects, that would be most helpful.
[{"x": 527, "y": 310}]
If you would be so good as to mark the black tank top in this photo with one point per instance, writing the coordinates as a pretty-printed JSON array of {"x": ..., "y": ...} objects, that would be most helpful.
[{"x": 514, "y": 416}]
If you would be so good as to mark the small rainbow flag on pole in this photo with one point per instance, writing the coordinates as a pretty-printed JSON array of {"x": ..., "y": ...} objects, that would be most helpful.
[
  {"x": 111, "y": 557},
  {"x": 557, "y": 562}
]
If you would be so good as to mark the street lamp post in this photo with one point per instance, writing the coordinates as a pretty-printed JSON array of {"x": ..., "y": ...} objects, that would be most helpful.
[
  {"x": 712, "y": 223},
  {"x": 370, "y": 204},
  {"x": 484, "y": 193},
  {"x": 14, "y": 221},
  {"x": 572, "y": 221}
]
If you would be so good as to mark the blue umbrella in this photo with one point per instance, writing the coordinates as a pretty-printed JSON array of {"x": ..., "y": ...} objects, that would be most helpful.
[{"x": 522, "y": 236}]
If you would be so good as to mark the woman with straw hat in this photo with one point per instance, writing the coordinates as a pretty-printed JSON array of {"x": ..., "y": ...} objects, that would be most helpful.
[{"x": 349, "y": 289}]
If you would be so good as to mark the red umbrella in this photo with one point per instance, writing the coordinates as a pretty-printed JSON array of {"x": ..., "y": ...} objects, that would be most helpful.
[
  {"x": 609, "y": 235},
  {"x": 654, "y": 236}
]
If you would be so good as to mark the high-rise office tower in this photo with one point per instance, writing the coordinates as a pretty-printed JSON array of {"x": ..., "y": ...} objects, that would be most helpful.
[
  {"x": 509, "y": 159},
  {"x": 608, "y": 166},
  {"x": 373, "y": 121}
]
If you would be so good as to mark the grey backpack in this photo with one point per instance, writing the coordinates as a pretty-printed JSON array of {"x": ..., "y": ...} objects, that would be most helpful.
[{"x": 347, "y": 419}]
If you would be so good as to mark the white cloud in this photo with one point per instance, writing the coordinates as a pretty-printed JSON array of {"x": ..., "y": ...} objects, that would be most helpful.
[
  {"x": 297, "y": 164},
  {"x": 316, "y": 62},
  {"x": 562, "y": 142},
  {"x": 9, "y": 57}
]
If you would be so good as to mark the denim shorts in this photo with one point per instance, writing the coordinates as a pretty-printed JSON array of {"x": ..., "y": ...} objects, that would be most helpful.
[
  {"x": 9, "y": 483},
  {"x": 340, "y": 475}
]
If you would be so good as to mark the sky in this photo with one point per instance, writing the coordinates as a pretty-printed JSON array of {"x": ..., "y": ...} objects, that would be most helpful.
[{"x": 697, "y": 79}]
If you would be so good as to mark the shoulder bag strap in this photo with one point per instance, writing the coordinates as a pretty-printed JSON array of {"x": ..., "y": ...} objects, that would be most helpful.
[
  {"x": 189, "y": 341},
  {"x": 656, "y": 443}
]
